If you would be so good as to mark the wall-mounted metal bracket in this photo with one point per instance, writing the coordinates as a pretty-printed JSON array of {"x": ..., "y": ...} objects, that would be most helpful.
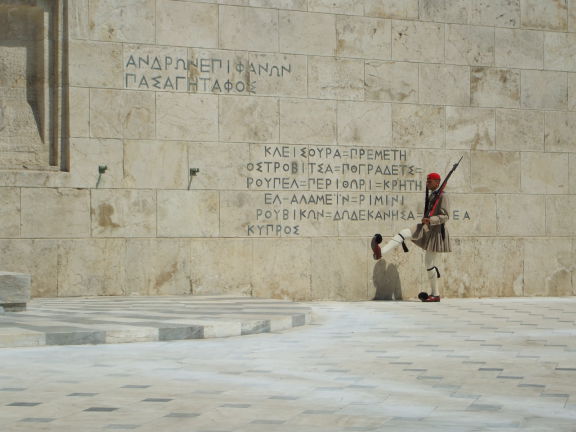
[
  {"x": 193, "y": 173},
  {"x": 101, "y": 170}
]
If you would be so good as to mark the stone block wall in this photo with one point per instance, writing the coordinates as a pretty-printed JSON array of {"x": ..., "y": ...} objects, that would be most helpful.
[{"x": 312, "y": 124}]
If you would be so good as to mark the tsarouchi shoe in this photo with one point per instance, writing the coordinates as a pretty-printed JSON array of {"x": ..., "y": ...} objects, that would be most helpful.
[
  {"x": 375, "y": 245},
  {"x": 432, "y": 299}
]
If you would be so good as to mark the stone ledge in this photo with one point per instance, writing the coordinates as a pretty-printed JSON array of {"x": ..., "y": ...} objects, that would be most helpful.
[
  {"x": 14, "y": 291},
  {"x": 106, "y": 320}
]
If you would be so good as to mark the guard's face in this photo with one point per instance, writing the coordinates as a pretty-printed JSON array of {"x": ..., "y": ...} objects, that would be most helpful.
[{"x": 432, "y": 184}]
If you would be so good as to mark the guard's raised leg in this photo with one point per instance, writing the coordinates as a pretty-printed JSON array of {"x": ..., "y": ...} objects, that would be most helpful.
[{"x": 397, "y": 240}]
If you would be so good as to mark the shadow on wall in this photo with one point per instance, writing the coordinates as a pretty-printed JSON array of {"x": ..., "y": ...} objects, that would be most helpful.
[{"x": 387, "y": 282}]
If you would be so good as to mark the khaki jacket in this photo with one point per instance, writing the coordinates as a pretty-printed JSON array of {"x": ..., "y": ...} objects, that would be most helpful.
[{"x": 430, "y": 238}]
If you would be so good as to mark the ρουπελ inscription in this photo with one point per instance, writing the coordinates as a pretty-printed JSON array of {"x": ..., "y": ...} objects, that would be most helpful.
[{"x": 303, "y": 186}]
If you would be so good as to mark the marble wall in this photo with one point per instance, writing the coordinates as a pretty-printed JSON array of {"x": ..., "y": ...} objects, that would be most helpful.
[{"x": 311, "y": 124}]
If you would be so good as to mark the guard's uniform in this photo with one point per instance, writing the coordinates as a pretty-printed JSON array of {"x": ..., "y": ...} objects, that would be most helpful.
[{"x": 434, "y": 237}]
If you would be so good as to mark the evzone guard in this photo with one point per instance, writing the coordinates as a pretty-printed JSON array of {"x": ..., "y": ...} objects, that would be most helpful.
[{"x": 431, "y": 234}]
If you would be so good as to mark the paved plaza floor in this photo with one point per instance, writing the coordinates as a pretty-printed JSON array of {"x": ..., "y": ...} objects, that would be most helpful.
[{"x": 459, "y": 365}]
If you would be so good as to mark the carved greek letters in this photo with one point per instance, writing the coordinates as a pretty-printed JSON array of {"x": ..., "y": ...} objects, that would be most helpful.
[
  {"x": 198, "y": 74},
  {"x": 304, "y": 185}
]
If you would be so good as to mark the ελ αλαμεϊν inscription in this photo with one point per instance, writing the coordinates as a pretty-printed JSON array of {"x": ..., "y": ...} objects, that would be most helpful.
[{"x": 303, "y": 186}]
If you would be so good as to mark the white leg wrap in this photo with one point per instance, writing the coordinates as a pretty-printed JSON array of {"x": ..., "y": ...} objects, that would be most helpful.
[
  {"x": 430, "y": 260},
  {"x": 397, "y": 240}
]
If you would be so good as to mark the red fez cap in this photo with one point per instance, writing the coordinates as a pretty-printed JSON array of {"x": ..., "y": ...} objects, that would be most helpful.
[{"x": 433, "y": 176}]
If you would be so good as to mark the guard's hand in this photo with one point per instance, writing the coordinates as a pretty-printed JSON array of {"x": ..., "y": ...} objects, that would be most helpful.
[{"x": 426, "y": 221}]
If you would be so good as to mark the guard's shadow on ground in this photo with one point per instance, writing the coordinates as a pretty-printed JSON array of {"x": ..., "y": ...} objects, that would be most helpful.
[{"x": 386, "y": 281}]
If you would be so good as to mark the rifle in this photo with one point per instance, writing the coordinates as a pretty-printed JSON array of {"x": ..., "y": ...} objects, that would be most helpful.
[{"x": 430, "y": 211}]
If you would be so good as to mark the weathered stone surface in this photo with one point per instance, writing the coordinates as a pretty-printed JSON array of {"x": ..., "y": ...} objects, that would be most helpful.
[
  {"x": 469, "y": 45},
  {"x": 307, "y": 121},
  {"x": 560, "y": 51},
  {"x": 392, "y": 81},
  {"x": 499, "y": 13},
  {"x": 307, "y": 33},
  {"x": 519, "y": 130},
  {"x": 252, "y": 119},
  {"x": 349, "y": 282},
  {"x": 361, "y": 37},
  {"x": 572, "y": 15},
  {"x": 122, "y": 20},
  {"x": 451, "y": 11},
  {"x": 282, "y": 268},
  {"x": 87, "y": 155},
  {"x": 188, "y": 213},
  {"x": 78, "y": 19},
  {"x": 37, "y": 258},
  {"x": 219, "y": 266},
  {"x": 418, "y": 126},
  {"x": 519, "y": 48},
  {"x": 223, "y": 166},
  {"x": 253, "y": 29},
  {"x": 490, "y": 87},
  {"x": 545, "y": 14},
  {"x": 470, "y": 128},
  {"x": 364, "y": 123},
  {"x": 333, "y": 78},
  {"x": 488, "y": 174},
  {"x": 559, "y": 215},
  {"x": 521, "y": 215},
  {"x": 79, "y": 111},
  {"x": 92, "y": 267},
  {"x": 123, "y": 213},
  {"x": 14, "y": 289},
  {"x": 472, "y": 215},
  {"x": 572, "y": 173},
  {"x": 300, "y": 5},
  {"x": 554, "y": 255},
  {"x": 500, "y": 276},
  {"x": 290, "y": 80},
  {"x": 9, "y": 212},
  {"x": 441, "y": 161},
  {"x": 417, "y": 41},
  {"x": 183, "y": 116},
  {"x": 122, "y": 114},
  {"x": 403, "y": 9},
  {"x": 444, "y": 84},
  {"x": 572, "y": 91},
  {"x": 560, "y": 131},
  {"x": 155, "y": 164},
  {"x": 545, "y": 173},
  {"x": 59, "y": 213},
  {"x": 345, "y": 7},
  {"x": 157, "y": 267},
  {"x": 83, "y": 55},
  {"x": 187, "y": 24},
  {"x": 544, "y": 90}
]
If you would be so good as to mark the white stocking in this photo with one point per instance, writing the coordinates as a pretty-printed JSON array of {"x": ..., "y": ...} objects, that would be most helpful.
[
  {"x": 397, "y": 240},
  {"x": 431, "y": 261}
]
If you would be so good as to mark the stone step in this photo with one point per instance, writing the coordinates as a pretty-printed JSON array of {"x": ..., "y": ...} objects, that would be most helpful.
[{"x": 105, "y": 320}]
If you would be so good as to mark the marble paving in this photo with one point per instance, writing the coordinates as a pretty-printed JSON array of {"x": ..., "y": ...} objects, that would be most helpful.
[
  {"x": 98, "y": 320},
  {"x": 460, "y": 365}
]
